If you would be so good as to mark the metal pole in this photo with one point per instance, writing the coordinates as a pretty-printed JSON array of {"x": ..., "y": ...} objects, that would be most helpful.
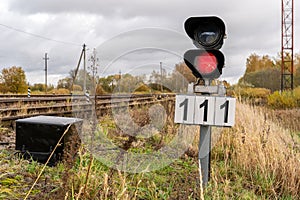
[
  {"x": 84, "y": 68},
  {"x": 204, "y": 152},
  {"x": 205, "y": 147},
  {"x": 119, "y": 82},
  {"x": 46, "y": 70},
  {"x": 292, "y": 59},
  {"x": 161, "y": 77},
  {"x": 76, "y": 70}
]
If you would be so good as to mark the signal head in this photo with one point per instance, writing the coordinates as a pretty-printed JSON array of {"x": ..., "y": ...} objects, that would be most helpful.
[{"x": 206, "y": 32}]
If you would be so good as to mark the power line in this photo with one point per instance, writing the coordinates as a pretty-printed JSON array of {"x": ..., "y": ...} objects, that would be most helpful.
[{"x": 38, "y": 36}]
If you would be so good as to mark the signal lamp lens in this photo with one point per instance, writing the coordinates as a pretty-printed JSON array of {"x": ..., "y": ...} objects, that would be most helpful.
[
  {"x": 206, "y": 63},
  {"x": 208, "y": 34}
]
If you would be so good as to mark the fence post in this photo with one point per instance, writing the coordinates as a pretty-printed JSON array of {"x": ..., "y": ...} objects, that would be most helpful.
[
  {"x": 28, "y": 92},
  {"x": 87, "y": 95}
]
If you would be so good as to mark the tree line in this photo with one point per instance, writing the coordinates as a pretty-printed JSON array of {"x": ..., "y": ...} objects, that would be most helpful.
[
  {"x": 265, "y": 72},
  {"x": 13, "y": 80},
  {"x": 261, "y": 72}
]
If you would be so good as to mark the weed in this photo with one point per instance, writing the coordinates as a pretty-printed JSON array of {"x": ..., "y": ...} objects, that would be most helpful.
[{"x": 256, "y": 159}]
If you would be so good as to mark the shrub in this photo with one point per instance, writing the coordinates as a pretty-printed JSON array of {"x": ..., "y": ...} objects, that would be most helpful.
[
  {"x": 142, "y": 88},
  {"x": 100, "y": 90},
  {"x": 60, "y": 91},
  {"x": 77, "y": 88},
  {"x": 297, "y": 94},
  {"x": 252, "y": 92},
  {"x": 285, "y": 99}
]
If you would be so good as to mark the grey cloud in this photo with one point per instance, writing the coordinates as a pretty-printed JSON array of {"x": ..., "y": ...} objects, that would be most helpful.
[
  {"x": 252, "y": 26},
  {"x": 128, "y": 8}
]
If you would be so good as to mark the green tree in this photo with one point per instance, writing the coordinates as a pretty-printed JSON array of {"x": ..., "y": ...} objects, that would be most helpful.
[
  {"x": 252, "y": 63},
  {"x": 267, "y": 78},
  {"x": 79, "y": 80},
  {"x": 107, "y": 83},
  {"x": 64, "y": 83},
  {"x": 13, "y": 80},
  {"x": 297, "y": 70},
  {"x": 38, "y": 87},
  {"x": 297, "y": 61},
  {"x": 41, "y": 87},
  {"x": 297, "y": 77},
  {"x": 256, "y": 63},
  {"x": 129, "y": 83},
  {"x": 185, "y": 71}
]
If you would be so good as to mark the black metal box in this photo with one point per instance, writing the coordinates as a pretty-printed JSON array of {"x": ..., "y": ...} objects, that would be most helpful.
[{"x": 36, "y": 137}]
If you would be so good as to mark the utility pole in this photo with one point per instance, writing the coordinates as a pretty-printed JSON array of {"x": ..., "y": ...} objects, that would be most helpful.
[
  {"x": 77, "y": 68},
  {"x": 119, "y": 81},
  {"x": 46, "y": 58},
  {"x": 84, "y": 68},
  {"x": 161, "y": 77}
]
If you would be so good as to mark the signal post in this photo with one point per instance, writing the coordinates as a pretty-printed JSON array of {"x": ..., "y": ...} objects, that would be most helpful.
[{"x": 205, "y": 105}]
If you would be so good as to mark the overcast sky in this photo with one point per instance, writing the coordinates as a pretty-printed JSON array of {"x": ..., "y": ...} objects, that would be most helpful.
[{"x": 131, "y": 34}]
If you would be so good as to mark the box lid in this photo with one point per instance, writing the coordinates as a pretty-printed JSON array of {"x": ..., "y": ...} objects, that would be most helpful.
[{"x": 50, "y": 120}]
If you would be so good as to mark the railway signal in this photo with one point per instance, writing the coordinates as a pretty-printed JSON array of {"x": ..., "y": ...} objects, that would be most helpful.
[
  {"x": 207, "y": 34},
  {"x": 205, "y": 105}
]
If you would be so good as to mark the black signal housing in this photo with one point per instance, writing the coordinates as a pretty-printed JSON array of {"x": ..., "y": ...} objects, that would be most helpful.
[{"x": 207, "y": 34}]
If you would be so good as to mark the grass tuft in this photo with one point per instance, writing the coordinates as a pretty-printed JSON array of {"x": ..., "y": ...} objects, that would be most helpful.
[{"x": 259, "y": 158}]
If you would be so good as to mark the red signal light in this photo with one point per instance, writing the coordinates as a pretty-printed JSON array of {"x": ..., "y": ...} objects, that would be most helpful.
[{"x": 206, "y": 63}]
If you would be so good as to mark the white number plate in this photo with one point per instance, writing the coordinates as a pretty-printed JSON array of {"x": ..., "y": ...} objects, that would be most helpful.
[{"x": 205, "y": 110}]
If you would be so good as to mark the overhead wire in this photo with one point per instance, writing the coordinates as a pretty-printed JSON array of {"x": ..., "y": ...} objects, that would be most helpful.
[{"x": 39, "y": 36}]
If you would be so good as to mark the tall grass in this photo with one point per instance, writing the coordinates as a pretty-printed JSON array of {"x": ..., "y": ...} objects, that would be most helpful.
[{"x": 257, "y": 158}]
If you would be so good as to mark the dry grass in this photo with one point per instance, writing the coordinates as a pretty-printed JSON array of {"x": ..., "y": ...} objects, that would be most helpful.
[
  {"x": 288, "y": 118},
  {"x": 257, "y": 159},
  {"x": 258, "y": 154}
]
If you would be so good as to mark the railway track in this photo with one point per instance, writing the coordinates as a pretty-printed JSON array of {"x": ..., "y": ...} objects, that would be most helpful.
[
  {"x": 20, "y": 106},
  {"x": 17, "y": 107}
]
